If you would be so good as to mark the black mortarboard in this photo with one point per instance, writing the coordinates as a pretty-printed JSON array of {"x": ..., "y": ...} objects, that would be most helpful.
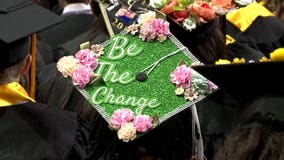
[
  {"x": 253, "y": 36},
  {"x": 247, "y": 79},
  {"x": 20, "y": 19}
]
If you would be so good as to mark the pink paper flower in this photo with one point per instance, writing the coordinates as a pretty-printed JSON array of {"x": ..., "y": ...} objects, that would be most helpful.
[
  {"x": 121, "y": 116},
  {"x": 160, "y": 26},
  {"x": 87, "y": 58},
  {"x": 142, "y": 123},
  {"x": 82, "y": 76},
  {"x": 181, "y": 76},
  {"x": 154, "y": 28},
  {"x": 146, "y": 32}
]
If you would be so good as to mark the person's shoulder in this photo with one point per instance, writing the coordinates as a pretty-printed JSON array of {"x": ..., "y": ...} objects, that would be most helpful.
[
  {"x": 46, "y": 117},
  {"x": 56, "y": 131},
  {"x": 44, "y": 111}
]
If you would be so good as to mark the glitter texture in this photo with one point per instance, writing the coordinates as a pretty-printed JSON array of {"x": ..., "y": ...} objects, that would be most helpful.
[{"x": 158, "y": 85}]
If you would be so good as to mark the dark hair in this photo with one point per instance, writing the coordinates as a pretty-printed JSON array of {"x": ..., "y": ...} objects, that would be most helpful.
[
  {"x": 14, "y": 52},
  {"x": 11, "y": 73},
  {"x": 206, "y": 42},
  {"x": 252, "y": 143},
  {"x": 275, "y": 6}
]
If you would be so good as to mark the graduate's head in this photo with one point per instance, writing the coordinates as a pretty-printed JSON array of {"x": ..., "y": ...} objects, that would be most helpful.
[
  {"x": 21, "y": 19},
  {"x": 257, "y": 142},
  {"x": 14, "y": 59},
  {"x": 14, "y": 52}
]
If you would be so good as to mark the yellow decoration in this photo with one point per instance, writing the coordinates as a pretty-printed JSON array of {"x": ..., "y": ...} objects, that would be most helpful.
[
  {"x": 277, "y": 55},
  {"x": 237, "y": 60},
  {"x": 222, "y": 61},
  {"x": 13, "y": 93},
  {"x": 229, "y": 39},
  {"x": 244, "y": 17},
  {"x": 264, "y": 59}
]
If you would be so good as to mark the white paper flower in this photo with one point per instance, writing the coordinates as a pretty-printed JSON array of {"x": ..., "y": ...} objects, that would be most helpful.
[
  {"x": 67, "y": 65},
  {"x": 98, "y": 50},
  {"x": 127, "y": 132},
  {"x": 146, "y": 17},
  {"x": 161, "y": 38},
  {"x": 191, "y": 94},
  {"x": 132, "y": 29}
]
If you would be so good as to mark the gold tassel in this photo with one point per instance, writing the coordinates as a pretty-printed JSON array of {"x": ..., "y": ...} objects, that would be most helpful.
[{"x": 33, "y": 67}]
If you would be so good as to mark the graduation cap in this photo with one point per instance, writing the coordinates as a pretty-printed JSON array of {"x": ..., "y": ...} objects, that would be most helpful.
[
  {"x": 248, "y": 26},
  {"x": 246, "y": 79},
  {"x": 20, "y": 19},
  {"x": 256, "y": 33}
]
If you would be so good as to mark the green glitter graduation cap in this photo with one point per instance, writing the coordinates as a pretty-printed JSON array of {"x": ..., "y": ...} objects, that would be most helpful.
[{"x": 130, "y": 105}]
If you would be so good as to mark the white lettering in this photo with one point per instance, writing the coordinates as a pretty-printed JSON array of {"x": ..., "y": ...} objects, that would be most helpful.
[
  {"x": 95, "y": 95},
  {"x": 133, "y": 50},
  {"x": 112, "y": 75},
  {"x": 109, "y": 97},
  {"x": 120, "y": 48}
]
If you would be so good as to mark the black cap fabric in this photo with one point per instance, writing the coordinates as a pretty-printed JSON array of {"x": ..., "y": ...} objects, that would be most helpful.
[
  {"x": 245, "y": 79},
  {"x": 20, "y": 19}
]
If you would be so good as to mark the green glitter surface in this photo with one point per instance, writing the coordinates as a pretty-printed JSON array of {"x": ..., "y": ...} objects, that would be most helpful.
[{"x": 158, "y": 84}]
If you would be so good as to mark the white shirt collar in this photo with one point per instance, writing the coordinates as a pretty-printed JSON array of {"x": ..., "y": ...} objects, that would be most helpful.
[{"x": 76, "y": 7}]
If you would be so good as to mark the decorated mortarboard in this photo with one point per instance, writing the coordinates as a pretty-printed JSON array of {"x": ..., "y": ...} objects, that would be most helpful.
[
  {"x": 190, "y": 14},
  {"x": 20, "y": 19},
  {"x": 255, "y": 53},
  {"x": 138, "y": 78}
]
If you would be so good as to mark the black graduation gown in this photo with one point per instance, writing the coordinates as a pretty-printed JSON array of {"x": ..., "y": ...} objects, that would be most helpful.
[
  {"x": 33, "y": 131},
  {"x": 263, "y": 36}
]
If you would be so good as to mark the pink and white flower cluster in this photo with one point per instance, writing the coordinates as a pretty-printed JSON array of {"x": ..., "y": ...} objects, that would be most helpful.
[
  {"x": 80, "y": 68},
  {"x": 190, "y": 84},
  {"x": 181, "y": 76},
  {"x": 153, "y": 29},
  {"x": 128, "y": 124},
  {"x": 150, "y": 27}
]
